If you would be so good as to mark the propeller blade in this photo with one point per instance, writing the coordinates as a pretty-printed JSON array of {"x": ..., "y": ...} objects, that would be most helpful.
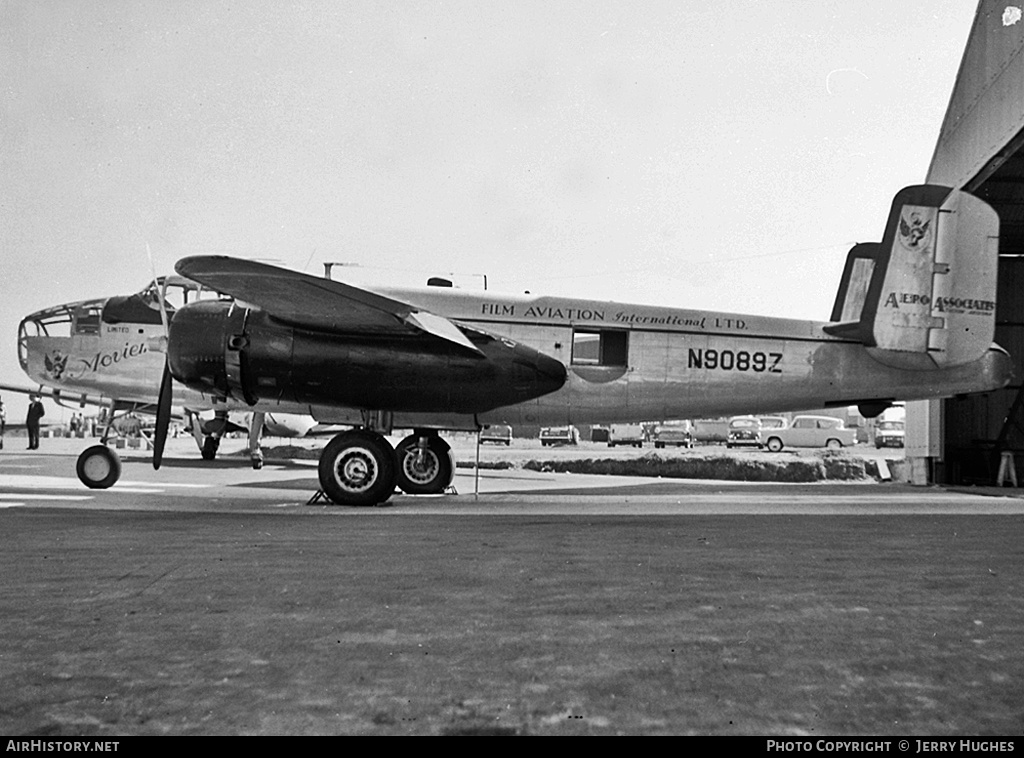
[
  {"x": 160, "y": 291},
  {"x": 163, "y": 417}
]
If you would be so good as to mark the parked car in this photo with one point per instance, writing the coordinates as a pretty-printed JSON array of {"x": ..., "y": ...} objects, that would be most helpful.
[
  {"x": 811, "y": 431},
  {"x": 711, "y": 430},
  {"x": 559, "y": 435},
  {"x": 677, "y": 434},
  {"x": 889, "y": 434},
  {"x": 626, "y": 434},
  {"x": 499, "y": 434},
  {"x": 744, "y": 431}
]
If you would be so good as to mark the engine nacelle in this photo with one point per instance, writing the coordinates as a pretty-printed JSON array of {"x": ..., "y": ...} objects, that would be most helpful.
[{"x": 230, "y": 350}]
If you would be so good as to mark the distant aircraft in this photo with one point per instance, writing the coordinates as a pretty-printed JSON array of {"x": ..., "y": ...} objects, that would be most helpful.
[
  {"x": 913, "y": 319},
  {"x": 110, "y": 352}
]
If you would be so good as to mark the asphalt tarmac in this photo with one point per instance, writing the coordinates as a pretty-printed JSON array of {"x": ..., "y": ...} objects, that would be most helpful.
[{"x": 208, "y": 598}]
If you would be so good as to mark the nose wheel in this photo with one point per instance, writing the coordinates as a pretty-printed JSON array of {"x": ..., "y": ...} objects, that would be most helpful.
[{"x": 98, "y": 467}]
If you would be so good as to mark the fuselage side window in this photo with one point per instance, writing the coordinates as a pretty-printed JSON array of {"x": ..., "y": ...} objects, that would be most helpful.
[{"x": 600, "y": 347}]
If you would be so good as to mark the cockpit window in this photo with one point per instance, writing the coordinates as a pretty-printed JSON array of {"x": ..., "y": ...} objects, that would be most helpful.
[
  {"x": 86, "y": 319},
  {"x": 134, "y": 309},
  {"x": 144, "y": 307},
  {"x": 177, "y": 292}
]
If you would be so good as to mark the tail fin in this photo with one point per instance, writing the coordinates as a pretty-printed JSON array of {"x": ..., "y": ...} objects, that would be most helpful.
[{"x": 927, "y": 294}]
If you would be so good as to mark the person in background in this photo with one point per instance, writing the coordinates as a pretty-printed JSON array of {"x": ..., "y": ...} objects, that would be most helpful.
[
  {"x": 3, "y": 422},
  {"x": 35, "y": 412}
]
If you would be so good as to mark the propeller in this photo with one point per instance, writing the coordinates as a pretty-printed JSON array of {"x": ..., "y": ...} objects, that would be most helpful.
[
  {"x": 163, "y": 416},
  {"x": 163, "y": 404}
]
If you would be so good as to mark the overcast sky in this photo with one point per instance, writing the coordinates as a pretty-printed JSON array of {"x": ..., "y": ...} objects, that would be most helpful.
[{"x": 710, "y": 155}]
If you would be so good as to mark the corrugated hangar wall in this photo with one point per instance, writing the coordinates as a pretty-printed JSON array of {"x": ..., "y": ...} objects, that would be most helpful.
[{"x": 980, "y": 149}]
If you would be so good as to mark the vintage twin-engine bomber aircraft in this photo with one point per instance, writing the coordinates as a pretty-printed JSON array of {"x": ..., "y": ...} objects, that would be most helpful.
[
  {"x": 109, "y": 352},
  {"x": 913, "y": 319}
]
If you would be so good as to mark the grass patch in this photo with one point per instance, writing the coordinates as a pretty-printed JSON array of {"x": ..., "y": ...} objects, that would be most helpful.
[
  {"x": 751, "y": 467},
  {"x": 744, "y": 466}
]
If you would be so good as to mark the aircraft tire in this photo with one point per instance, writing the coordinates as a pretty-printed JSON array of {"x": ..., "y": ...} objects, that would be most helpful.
[
  {"x": 209, "y": 449},
  {"x": 774, "y": 444},
  {"x": 358, "y": 467},
  {"x": 432, "y": 474},
  {"x": 98, "y": 467}
]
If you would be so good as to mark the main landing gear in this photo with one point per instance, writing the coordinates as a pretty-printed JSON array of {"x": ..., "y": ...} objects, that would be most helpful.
[
  {"x": 359, "y": 467},
  {"x": 209, "y": 447}
]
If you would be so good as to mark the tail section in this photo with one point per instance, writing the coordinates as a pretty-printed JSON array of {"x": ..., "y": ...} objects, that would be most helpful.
[{"x": 926, "y": 296}]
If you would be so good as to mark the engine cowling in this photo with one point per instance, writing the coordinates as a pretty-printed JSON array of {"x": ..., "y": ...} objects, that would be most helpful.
[{"x": 230, "y": 350}]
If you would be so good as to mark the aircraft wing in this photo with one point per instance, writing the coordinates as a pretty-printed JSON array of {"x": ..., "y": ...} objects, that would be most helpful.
[
  {"x": 315, "y": 302},
  {"x": 77, "y": 400},
  {"x": 67, "y": 399},
  {"x": 22, "y": 390}
]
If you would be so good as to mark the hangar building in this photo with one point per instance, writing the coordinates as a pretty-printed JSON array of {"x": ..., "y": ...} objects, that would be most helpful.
[{"x": 960, "y": 440}]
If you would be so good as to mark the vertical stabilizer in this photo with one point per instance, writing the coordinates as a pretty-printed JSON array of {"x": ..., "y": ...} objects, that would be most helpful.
[{"x": 932, "y": 284}]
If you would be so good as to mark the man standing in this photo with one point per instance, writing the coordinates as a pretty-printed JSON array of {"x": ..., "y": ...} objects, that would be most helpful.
[
  {"x": 35, "y": 412},
  {"x": 3, "y": 422}
]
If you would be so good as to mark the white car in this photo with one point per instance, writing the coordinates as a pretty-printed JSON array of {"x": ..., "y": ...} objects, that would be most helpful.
[
  {"x": 499, "y": 434},
  {"x": 559, "y": 435},
  {"x": 811, "y": 431},
  {"x": 626, "y": 434},
  {"x": 676, "y": 434},
  {"x": 889, "y": 434}
]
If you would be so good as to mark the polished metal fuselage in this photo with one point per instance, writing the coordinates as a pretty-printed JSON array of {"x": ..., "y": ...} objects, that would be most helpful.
[
  {"x": 689, "y": 363},
  {"x": 678, "y": 363}
]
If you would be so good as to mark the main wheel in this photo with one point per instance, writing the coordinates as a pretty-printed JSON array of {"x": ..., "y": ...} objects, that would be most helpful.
[
  {"x": 426, "y": 471},
  {"x": 98, "y": 467},
  {"x": 209, "y": 449},
  {"x": 358, "y": 468},
  {"x": 774, "y": 444}
]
